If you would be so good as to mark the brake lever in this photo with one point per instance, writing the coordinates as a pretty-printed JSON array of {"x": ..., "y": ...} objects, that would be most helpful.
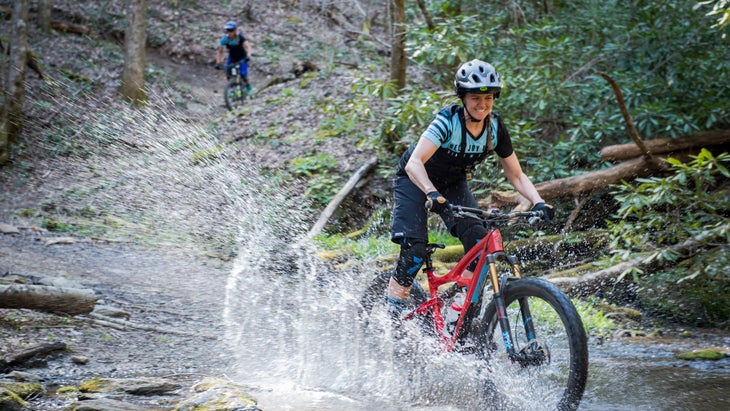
[{"x": 535, "y": 219}]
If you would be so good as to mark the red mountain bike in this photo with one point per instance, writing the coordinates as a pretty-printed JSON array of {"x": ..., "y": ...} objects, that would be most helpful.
[{"x": 526, "y": 327}]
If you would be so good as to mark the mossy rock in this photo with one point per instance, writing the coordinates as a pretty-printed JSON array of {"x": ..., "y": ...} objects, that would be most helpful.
[
  {"x": 67, "y": 389},
  {"x": 24, "y": 389},
  {"x": 619, "y": 313},
  {"x": 93, "y": 385},
  {"x": 213, "y": 394},
  {"x": 450, "y": 254},
  {"x": 10, "y": 401},
  {"x": 134, "y": 386},
  {"x": 334, "y": 255},
  {"x": 706, "y": 354}
]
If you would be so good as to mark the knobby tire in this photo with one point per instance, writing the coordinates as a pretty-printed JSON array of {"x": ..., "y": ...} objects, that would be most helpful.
[{"x": 564, "y": 340}]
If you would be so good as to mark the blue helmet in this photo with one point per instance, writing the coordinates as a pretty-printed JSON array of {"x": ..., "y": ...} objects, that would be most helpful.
[{"x": 231, "y": 25}]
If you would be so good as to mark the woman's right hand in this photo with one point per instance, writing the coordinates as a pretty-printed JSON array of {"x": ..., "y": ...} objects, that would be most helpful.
[{"x": 436, "y": 203}]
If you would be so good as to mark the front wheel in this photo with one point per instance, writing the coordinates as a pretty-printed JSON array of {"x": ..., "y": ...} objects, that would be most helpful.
[
  {"x": 550, "y": 368},
  {"x": 234, "y": 95}
]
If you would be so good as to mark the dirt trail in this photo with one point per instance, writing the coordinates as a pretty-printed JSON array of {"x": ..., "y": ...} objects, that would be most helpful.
[{"x": 205, "y": 85}]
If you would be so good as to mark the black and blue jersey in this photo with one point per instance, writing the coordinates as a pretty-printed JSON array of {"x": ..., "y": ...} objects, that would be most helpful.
[
  {"x": 458, "y": 150},
  {"x": 236, "y": 51}
]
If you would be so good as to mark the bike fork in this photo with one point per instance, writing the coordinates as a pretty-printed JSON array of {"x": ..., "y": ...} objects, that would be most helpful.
[{"x": 501, "y": 306}]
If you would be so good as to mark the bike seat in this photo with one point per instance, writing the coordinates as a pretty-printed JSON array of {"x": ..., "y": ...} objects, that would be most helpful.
[{"x": 431, "y": 247}]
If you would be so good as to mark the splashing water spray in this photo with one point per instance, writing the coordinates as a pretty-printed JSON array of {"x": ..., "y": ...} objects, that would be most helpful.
[{"x": 291, "y": 322}]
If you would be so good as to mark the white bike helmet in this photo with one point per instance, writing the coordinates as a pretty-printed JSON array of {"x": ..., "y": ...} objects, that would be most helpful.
[
  {"x": 231, "y": 25},
  {"x": 477, "y": 76}
]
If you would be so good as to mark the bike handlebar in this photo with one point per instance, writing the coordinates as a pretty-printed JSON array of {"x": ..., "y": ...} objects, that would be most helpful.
[{"x": 493, "y": 215}]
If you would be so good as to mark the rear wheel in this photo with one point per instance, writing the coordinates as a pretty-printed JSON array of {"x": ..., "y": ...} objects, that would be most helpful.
[
  {"x": 552, "y": 365},
  {"x": 234, "y": 95}
]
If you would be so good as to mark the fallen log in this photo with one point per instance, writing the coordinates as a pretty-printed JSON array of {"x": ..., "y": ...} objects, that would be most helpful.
[
  {"x": 71, "y": 301},
  {"x": 591, "y": 181},
  {"x": 588, "y": 283},
  {"x": 19, "y": 357},
  {"x": 69, "y": 27},
  {"x": 298, "y": 70},
  {"x": 56, "y": 25},
  {"x": 344, "y": 191},
  {"x": 668, "y": 146},
  {"x": 575, "y": 185}
]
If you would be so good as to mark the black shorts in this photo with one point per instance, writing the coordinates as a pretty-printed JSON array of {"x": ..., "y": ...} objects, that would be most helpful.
[{"x": 410, "y": 217}]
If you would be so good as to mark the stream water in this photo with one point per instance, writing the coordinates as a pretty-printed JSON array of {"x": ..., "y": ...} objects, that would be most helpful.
[{"x": 292, "y": 328}]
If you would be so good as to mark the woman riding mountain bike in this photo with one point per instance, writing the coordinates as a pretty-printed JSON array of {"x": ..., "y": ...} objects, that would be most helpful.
[
  {"x": 437, "y": 168},
  {"x": 239, "y": 49},
  {"x": 522, "y": 334}
]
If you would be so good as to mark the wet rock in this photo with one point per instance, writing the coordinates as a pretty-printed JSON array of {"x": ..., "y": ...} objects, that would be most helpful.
[
  {"x": 706, "y": 354},
  {"x": 59, "y": 282},
  {"x": 79, "y": 360},
  {"x": 8, "y": 229},
  {"x": 22, "y": 376},
  {"x": 60, "y": 240},
  {"x": 133, "y": 386},
  {"x": 107, "y": 311},
  {"x": 218, "y": 395}
]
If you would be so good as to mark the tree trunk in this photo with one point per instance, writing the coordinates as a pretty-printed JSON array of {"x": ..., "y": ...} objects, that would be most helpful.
[
  {"x": 14, "y": 90},
  {"x": 135, "y": 35},
  {"x": 398, "y": 45},
  {"x": 44, "y": 15},
  {"x": 70, "y": 301},
  {"x": 426, "y": 15}
]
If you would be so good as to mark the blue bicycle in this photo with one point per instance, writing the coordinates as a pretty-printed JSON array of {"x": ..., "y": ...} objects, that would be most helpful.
[{"x": 238, "y": 87}]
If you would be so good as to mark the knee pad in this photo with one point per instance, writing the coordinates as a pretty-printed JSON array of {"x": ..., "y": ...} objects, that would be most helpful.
[{"x": 409, "y": 262}]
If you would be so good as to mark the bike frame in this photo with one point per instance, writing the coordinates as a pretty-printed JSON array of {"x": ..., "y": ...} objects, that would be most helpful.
[
  {"x": 488, "y": 251},
  {"x": 235, "y": 71}
]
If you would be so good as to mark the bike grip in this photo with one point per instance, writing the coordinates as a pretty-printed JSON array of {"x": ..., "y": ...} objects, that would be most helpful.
[{"x": 536, "y": 217}]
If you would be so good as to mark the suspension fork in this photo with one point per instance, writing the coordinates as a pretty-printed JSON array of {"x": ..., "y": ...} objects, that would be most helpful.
[
  {"x": 498, "y": 285},
  {"x": 524, "y": 306}
]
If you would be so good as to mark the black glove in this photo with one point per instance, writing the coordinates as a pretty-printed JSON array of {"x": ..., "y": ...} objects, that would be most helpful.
[
  {"x": 548, "y": 213},
  {"x": 218, "y": 66},
  {"x": 436, "y": 202}
]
